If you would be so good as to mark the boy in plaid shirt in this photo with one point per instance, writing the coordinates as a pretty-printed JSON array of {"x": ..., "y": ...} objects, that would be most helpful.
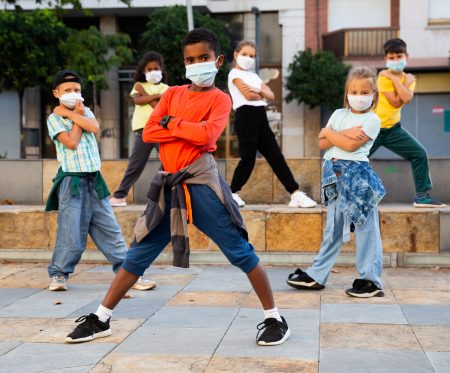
[{"x": 79, "y": 191}]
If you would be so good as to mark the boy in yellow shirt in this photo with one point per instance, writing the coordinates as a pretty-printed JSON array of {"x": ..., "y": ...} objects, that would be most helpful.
[{"x": 396, "y": 89}]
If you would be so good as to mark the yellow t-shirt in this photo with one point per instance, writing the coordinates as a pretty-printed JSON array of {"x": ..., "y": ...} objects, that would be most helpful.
[
  {"x": 389, "y": 115},
  {"x": 142, "y": 112}
]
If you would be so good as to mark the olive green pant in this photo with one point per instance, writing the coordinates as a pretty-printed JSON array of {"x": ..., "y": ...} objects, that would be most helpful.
[{"x": 402, "y": 143}]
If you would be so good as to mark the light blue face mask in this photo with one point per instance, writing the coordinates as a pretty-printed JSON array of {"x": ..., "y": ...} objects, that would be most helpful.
[
  {"x": 202, "y": 74},
  {"x": 396, "y": 65}
]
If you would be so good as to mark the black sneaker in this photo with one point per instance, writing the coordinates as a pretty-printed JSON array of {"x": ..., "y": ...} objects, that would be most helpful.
[
  {"x": 428, "y": 201},
  {"x": 90, "y": 328},
  {"x": 274, "y": 332},
  {"x": 364, "y": 289},
  {"x": 301, "y": 280}
]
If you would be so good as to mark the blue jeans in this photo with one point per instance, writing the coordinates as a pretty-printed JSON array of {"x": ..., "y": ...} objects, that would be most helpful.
[
  {"x": 369, "y": 249},
  {"x": 79, "y": 216},
  {"x": 210, "y": 217}
]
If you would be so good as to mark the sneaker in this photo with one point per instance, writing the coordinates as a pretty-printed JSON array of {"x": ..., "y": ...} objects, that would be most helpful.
[
  {"x": 90, "y": 328},
  {"x": 301, "y": 280},
  {"x": 427, "y": 201},
  {"x": 300, "y": 199},
  {"x": 142, "y": 284},
  {"x": 117, "y": 202},
  {"x": 57, "y": 283},
  {"x": 274, "y": 332},
  {"x": 238, "y": 199},
  {"x": 364, "y": 289}
]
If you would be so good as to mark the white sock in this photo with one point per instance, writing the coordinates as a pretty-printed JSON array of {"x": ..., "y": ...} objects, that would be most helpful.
[
  {"x": 103, "y": 313},
  {"x": 273, "y": 313}
]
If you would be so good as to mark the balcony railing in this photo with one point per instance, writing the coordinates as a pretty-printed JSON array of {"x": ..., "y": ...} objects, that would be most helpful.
[{"x": 358, "y": 42}]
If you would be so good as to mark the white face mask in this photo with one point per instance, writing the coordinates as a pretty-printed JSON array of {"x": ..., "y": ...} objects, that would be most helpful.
[
  {"x": 245, "y": 62},
  {"x": 202, "y": 74},
  {"x": 154, "y": 76},
  {"x": 69, "y": 100},
  {"x": 360, "y": 102}
]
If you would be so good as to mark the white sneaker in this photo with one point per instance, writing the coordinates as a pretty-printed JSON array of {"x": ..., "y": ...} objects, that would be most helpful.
[
  {"x": 142, "y": 284},
  {"x": 238, "y": 199},
  {"x": 117, "y": 202},
  {"x": 57, "y": 283},
  {"x": 300, "y": 199}
]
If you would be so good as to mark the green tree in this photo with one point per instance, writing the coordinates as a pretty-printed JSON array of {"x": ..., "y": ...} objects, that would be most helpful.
[
  {"x": 165, "y": 30},
  {"x": 92, "y": 54},
  {"x": 29, "y": 48},
  {"x": 316, "y": 79}
]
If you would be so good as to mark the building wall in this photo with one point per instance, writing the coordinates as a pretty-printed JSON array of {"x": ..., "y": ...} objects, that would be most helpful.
[
  {"x": 9, "y": 125},
  {"x": 423, "y": 41}
]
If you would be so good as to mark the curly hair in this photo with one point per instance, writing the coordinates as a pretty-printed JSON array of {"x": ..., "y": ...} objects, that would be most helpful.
[{"x": 139, "y": 75}]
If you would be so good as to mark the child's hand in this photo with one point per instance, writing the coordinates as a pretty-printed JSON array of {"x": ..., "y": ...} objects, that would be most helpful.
[
  {"x": 62, "y": 111},
  {"x": 79, "y": 108},
  {"x": 355, "y": 133},
  {"x": 138, "y": 87},
  {"x": 409, "y": 79}
]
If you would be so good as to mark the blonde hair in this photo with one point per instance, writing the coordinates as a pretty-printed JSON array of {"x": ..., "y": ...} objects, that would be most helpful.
[
  {"x": 362, "y": 72},
  {"x": 244, "y": 43}
]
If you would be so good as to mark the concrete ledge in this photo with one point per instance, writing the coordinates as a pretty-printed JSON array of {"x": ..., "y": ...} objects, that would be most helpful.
[{"x": 392, "y": 260}]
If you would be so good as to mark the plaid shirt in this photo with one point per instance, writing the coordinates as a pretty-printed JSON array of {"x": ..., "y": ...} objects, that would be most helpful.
[{"x": 85, "y": 158}]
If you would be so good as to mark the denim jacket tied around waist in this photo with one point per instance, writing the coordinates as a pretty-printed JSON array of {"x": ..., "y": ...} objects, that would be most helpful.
[{"x": 361, "y": 188}]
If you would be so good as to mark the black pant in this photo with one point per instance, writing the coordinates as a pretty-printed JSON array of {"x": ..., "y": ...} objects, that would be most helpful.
[
  {"x": 254, "y": 134},
  {"x": 136, "y": 164}
]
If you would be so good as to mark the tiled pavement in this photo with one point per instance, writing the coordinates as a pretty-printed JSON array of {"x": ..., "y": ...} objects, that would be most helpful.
[{"x": 203, "y": 319}]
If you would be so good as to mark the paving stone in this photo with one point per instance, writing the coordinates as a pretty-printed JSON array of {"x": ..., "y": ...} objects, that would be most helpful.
[
  {"x": 352, "y": 360},
  {"x": 260, "y": 365},
  {"x": 427, "y": 283},
  {"x": 363, "y": 313},
  {"x": 167, "y": 340},
  {"x": 24, "y": 328},
  {"x": 368, "y": 336},
  {"x": 433, "y": 338},
  {"x": 7, "y": 346},
  {"x": 170, "y": 279},
  {"x": 9, "y": 296},
  {"x": 301, "y": 345},
  {"x": 11, "y": 268},
  {"x": 288, "y": 299},
  {"x": 39, "y": 357},
  {"x": 83, "y": 369},
  {"x": 57, "y": 329},
  {"x": 440, "y": 361},
  {"x": 338, "y": 296},
  {"x": 427, "y": 315},
  {"x": 220, "y": 279},
  {"x": 431, "y": 297},
  {"x": 209, "y": 298},
  {"x": 192, "y": 317},
  {"x": 119, "y": 362},
  {"x": 42, "y": 304}
]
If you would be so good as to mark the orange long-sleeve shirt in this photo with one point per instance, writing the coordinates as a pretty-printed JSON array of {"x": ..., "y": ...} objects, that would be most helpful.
[{"x": 199, "y": 119}]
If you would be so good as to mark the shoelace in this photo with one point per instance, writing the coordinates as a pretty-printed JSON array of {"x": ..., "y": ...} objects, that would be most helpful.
[
  {"x": 87, "y": 323},
  {"x": 269, "y": 324}
]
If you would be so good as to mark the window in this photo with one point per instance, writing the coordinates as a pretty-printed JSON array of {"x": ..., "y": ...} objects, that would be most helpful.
[{"x": 438, "y": 12}]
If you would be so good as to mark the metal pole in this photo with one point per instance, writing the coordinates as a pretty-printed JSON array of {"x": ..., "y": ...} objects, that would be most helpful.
[
  {"x": 190, "y": 16},
  {"x": 256, "y": 12}
]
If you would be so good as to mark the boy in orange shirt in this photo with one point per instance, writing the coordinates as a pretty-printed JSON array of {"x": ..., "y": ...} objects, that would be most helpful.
[{"x": 187, "y": 123}]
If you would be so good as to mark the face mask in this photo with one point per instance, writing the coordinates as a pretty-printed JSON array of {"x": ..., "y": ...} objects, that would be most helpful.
[
  {"x": 69, "y": 100},
  {"x": 360, "y": 102},
  {"x": 396, "y": 65},
  {"x": 154, "y": 76},
  {"x": 245, "y": 62},
  {"x": 202, "y": 74}
]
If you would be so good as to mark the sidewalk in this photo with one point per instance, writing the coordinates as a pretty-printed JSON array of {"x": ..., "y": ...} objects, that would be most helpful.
[{"x": 203, "y": 319}]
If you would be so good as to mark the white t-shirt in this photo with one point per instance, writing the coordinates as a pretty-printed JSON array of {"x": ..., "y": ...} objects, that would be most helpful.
[
  {"x": 249, "y": 78},
  {"x": 343, "y": 119}
]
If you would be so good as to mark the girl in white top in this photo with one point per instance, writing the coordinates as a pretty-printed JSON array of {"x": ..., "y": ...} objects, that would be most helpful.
[{"x": 249, "y": 95}]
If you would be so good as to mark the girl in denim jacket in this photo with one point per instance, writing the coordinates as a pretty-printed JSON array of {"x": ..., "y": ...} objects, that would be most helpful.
[{"x": 350, "y": 189}]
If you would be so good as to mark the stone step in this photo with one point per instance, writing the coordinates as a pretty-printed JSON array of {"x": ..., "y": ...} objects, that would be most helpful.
[{"x": 279, "y": 233}]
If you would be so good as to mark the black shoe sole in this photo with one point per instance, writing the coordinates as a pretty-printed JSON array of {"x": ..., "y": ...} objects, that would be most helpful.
[
  {"x": 376, "y": 293},
  {"x": 305, "y": 286}
]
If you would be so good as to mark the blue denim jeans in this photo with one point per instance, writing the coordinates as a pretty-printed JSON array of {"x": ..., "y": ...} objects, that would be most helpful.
[
  {"x": 79, "y": 216},
  {"x": 211, "y": 217},
  {"x": 368, "y": 245}
]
